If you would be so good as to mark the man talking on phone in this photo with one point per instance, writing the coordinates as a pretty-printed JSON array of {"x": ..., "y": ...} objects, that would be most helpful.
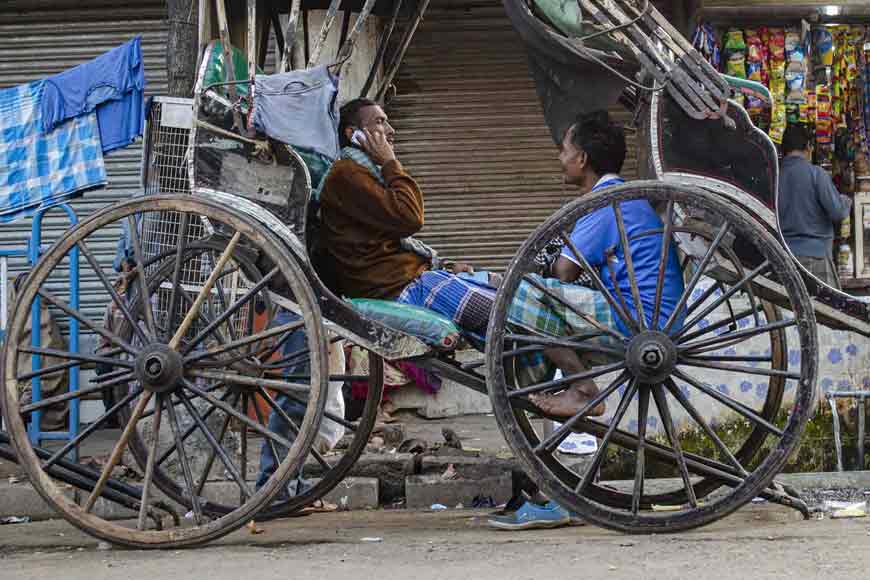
[{"x": 370, "y": 207}]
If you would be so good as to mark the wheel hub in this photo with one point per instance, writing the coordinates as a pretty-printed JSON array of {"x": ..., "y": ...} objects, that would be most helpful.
[
  {"x": 159, "y": 368},
  {"x": 651, "y": 357}
]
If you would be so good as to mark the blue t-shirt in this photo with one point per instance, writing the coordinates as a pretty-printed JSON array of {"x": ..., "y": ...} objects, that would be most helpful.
[
  {"x": 596, "y": 236},
  {"x": 113, "y": 84}
]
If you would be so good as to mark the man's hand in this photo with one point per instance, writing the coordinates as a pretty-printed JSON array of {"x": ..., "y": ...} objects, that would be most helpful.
[
  {"x": 460, "y": 267},
  {"x": 378, "y": 148}
]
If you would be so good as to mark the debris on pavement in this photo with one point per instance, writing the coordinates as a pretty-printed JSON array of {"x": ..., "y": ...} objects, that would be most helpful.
[
  {"x": 254, "y": 529},
  {"x": 372, "y": 540},
  {"x": 855, "y": 510},
  {"x": 450, "y": 473},
  {"x": 14, "y": 520},
  {"x": 438, "y": 506}
]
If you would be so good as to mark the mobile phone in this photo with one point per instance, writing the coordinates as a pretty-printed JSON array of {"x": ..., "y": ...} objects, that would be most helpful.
[{"x": 358, "y": 138}]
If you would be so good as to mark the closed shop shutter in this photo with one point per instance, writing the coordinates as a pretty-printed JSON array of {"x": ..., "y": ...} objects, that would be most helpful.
[
  {"x": 471, "y": 131},
  {"x": 40, "y": 38}
]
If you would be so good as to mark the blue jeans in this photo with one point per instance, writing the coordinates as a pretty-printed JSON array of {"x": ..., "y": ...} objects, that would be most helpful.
[{"x": 294, "y": 409}]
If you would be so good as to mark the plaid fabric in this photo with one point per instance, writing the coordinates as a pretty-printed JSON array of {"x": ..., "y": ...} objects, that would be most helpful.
[
  {"x": 40, "y": 169},
  {"x": 469, "y": 303},
  {"x": 466, "y": 302},
  {"x": 534, "y": 309}
]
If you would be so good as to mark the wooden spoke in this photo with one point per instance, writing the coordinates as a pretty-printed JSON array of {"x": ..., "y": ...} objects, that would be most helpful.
[
  {"x": 176, "y": 272},
  {"x": 694, "y": 348},
  {"x": 629, "y": 265},
  {"x": 48, "y": 402},
  {"x": 699, "y": 419},
  {"x": 98, "y": 328},
  {"x": 731, "y": 320},
  {"x": 690, "y": 287},
  {"x": 553, "y": 441},
  {"x": 730, "y": 403},
  {"x": 216, "y": 446},
  {"x": 150, "y": 464},
  {"x": 118, "y": 450},
  {"x": 203, "y": 293},
  {"x": 189, "y": 431},
  {"x": 560, "y": 383},
  {"x": 240, "y": 416},
  {"x": 760, "y": 270},
  {"x": 231, "y": 310},
  {"x": 640, "y": 451},
  {"x": 595, "y": 465},
  {"x": 290, "y": 327},
  {"x": 86, "y": 432},
  {"x": 663, "y": 263},
  {"x": 119, "y": 301},
  {"x": 706, "y": 364},
  {"x": 661, "y": 400},
  {"x": 200, "y": 483},
  {"x": 237, "y": 379},
  {"x": 577, "y": 343},
  {"x": 599, "y": 285},
  {"x": 186, "y": 473},
  {"x": 144, "y": 294},
  {"x": 293, "y": 427}
]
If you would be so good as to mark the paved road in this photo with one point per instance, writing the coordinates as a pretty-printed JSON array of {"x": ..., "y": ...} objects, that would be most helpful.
[{"x": 759, "y": 542}]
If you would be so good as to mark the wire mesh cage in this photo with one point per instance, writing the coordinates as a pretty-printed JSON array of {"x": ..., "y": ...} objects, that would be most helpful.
[{"x": 165, "y": 170}]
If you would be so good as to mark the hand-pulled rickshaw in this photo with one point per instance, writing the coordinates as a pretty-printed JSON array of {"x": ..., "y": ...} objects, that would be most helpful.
[{"x": 200, "y": 358}]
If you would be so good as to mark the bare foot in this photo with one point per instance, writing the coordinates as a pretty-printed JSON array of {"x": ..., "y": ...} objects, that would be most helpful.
[{"x": 570, "y": 401}]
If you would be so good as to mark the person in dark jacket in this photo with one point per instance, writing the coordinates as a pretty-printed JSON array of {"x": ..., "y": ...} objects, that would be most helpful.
[{"x": 809, "y": 204}]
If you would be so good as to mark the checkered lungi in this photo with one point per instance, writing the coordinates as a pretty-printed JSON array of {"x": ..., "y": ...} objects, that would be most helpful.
[
  {"x": 469, "y": 303},
  {"x": 40, "y": 169}
]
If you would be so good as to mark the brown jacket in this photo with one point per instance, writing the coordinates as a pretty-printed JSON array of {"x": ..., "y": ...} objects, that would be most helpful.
[{"x": 362, "y": 222}]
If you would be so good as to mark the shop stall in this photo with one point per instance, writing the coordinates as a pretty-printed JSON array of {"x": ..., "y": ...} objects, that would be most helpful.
[{"x": 814, "y": 59}]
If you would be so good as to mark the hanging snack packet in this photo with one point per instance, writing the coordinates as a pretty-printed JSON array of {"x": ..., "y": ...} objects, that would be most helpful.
[
  {"x": 777, "y": 44},
  {"x": 795, "y": 83},
  {"x": 823, "y": 41},
  {"x": 736, "y": 66},
  {"x": 734, "y": 41}
]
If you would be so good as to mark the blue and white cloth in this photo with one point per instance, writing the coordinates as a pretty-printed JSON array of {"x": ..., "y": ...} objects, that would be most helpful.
[{"x": 41, "y": 169}]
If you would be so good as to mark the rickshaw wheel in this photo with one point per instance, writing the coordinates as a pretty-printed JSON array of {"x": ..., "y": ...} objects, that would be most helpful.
[
  {"x": 328, "y": 468},
  {"x": 725, "y": 471},
  {"x": 177, "y": 369}
]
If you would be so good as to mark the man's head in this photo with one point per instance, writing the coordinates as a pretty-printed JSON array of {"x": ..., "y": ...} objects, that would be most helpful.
[
  {"x": 360, "y": 114},
  {"x": 796, "y": 139},
  {"x": 592, "y": 147}
]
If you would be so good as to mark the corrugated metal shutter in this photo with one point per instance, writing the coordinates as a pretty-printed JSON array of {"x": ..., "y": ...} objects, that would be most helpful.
[
  {"x": 471, "y": 131},
  {"x": 38, "y": 39}
]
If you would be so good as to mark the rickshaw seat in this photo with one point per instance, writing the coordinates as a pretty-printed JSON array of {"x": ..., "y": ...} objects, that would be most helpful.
[{"x": 427, "y": 325}]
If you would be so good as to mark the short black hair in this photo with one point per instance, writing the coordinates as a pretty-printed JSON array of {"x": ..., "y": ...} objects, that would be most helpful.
[
  {"x": 796, "y": 138},
  {"x": 349, "y": 117},
  {"x": 601, "y": 139}
]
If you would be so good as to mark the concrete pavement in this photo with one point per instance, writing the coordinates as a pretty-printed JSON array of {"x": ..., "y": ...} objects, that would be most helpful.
[{"x": 758, "y": 542}]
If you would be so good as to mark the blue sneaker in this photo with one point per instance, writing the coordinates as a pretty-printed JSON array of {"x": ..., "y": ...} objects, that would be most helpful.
[{"x": 531, "y": 516}]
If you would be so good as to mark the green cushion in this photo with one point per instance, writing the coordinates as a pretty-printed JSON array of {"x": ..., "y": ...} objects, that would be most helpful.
[{"x": 427, "y": 325}]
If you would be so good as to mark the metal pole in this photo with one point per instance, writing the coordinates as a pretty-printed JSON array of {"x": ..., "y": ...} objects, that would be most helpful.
[
  {"x": 403, "y": 48},
  {"x": 838, "y": 443},
  {"x": 861, "y": 411},
  {"x": 324, "y": 32},
  {"x": 290, "y": 34}
]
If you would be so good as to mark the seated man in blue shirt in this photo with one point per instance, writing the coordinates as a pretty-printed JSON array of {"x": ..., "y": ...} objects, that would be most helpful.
[{"x": 592, "y": 155}]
